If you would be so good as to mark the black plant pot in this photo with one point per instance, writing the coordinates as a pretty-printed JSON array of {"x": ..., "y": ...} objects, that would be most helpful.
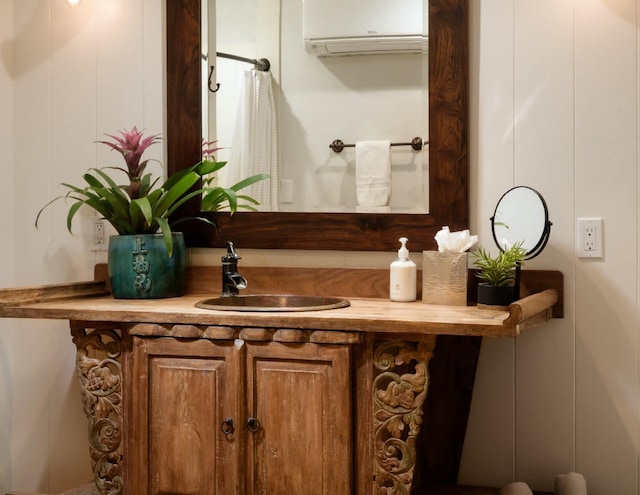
[{"x": 492, "y": 295}]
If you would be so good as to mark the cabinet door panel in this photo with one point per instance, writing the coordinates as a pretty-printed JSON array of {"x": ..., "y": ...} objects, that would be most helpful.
[
  {"x": 302, "y": 397},
  {"x": 186, "y": 402},
  {"x": 183, "y": 429}
]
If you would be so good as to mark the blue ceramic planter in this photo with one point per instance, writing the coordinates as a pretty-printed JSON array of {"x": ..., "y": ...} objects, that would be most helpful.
[{"x": 140, "y": 266}]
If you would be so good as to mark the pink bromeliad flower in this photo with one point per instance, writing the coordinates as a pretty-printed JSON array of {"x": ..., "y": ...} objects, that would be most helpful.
[{"x": 132, "y": 145}]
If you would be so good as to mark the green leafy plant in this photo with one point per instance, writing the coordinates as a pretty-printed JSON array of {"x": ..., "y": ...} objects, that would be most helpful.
[
  {"x": 141, "y": 206},
  {"x": 500, "y": 270}
]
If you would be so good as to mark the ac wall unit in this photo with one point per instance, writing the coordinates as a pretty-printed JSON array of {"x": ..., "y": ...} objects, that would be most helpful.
[{"x": 351, "y": 27}]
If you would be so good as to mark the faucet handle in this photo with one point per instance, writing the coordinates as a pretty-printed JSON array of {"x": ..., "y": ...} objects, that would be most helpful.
[{"x": 231, "y": 254}]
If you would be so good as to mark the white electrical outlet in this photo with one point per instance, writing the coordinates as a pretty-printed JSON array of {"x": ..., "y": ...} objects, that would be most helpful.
[
  {"x": 590, "y": 238},
  {"x": 98, "y": 234}
]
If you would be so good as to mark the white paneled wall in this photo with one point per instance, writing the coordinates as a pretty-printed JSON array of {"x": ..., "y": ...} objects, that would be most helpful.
[
  {"x": 554, "y": 105},
  {"x": 6, "y": 242},
  {"x": 78, "y": 73},
  {"x": 606, "y": 184}
]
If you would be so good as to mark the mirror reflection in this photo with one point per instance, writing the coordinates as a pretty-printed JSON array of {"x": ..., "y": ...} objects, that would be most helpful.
[
  {"x": 311, "y": 101},
  {"x": 521, "y": 215}
]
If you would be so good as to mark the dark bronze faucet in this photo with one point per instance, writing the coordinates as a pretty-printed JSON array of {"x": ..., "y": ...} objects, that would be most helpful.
[{"x": 232, "y": 281}]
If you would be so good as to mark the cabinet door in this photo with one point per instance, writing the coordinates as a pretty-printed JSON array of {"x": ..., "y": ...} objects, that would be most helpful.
[
  {"x": 184, "y": 392},
  {"x": 301, "y": 435}
]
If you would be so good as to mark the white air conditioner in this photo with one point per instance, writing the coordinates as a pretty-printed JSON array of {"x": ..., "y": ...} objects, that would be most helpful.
[{"x": 351, "y": 27}]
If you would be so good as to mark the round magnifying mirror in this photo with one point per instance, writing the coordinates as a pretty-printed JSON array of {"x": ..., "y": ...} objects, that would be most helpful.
[{"x": 521, "y": 216}]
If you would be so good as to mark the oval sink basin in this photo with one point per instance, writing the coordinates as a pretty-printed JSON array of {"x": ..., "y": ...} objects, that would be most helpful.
[{"x": 263, "y": 302}]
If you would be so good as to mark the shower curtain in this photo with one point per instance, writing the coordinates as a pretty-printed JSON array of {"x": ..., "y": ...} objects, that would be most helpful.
[{"x": 254, "y": 147}]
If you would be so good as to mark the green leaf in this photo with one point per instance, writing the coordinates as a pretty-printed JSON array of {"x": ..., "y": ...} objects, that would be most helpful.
[
  {"x": 249, "y": 180},
  {"x": 501, "y": 270},
  {"x": 200, "y": 219},
  {"x": 141, "y": 212},
  {"x": 182, "y": 201},
  {"x": 166, "y": 234},
  {"x": 232, "y": 198},
  {"x": 206, "y": 167},
  {"x": 114, "y": 187},
  {"x": 170, "y": 196},
  {"x": 177, "y": 177},
  {"x": 249, "y": 199},
  {"x": 43, "y": 208},
  {"x": 146, "y": 185},
  {"x": 72, "y": 211}
]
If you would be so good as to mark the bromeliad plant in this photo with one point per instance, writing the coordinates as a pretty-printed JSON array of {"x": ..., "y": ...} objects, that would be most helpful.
[
  {"x": 501, "y": 270},
  {"x": 141, "y": 206}
]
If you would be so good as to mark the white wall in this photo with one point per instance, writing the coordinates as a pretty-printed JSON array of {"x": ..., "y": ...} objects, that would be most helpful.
[
  {"x": 6, "y": 243},
  {"x": 78, "y": 73},
  {"x": 554, "y": 105}
]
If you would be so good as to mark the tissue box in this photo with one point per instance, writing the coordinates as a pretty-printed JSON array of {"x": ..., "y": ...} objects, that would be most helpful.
[{"x": 444, "y": 278}]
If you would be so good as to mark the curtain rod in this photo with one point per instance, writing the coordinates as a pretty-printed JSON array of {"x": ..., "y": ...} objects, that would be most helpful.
[{"x": 258, "y": 64}]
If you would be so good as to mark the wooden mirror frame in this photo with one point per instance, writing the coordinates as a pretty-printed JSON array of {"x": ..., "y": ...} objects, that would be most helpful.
[{"x": 448, "y": 150}]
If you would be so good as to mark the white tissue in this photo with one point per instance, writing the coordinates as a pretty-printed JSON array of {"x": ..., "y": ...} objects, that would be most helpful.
[
  {"x": 455, "y": 242},
  {"x": 571, "y": 484},
  {"x": 518, "y": 488}
]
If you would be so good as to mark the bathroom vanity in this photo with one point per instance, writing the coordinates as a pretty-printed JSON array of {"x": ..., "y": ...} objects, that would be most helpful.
[{"x": 183, "y": 400}]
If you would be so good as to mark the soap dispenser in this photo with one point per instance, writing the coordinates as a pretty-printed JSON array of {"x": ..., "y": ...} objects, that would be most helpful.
[{"x": 403, "y": 275}]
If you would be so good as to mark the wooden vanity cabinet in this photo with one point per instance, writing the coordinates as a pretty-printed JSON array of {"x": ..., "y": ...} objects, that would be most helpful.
[
  {"x": 181, "y": 400},
  {"x": 235, "y": 417},
  {"x": 181, "y": 392}
]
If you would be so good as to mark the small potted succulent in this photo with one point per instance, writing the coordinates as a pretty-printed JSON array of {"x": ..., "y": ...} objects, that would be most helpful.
[
  {"x": 147, "y": 259},
  {"x": 498, "y": 275}
]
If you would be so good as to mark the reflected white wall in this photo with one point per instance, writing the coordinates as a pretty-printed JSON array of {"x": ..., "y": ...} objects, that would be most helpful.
[{"x": 320, "y": 99}]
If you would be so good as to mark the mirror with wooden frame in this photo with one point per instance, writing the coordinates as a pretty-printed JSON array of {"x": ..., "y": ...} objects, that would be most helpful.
[{"x": 448, "y": 157}]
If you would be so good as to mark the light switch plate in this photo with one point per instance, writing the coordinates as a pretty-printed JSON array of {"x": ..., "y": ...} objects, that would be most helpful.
[{"x": 286, "y": 191}]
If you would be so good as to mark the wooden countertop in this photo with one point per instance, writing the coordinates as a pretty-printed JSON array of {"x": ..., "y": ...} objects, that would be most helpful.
[{"x": 89, "y": 301}]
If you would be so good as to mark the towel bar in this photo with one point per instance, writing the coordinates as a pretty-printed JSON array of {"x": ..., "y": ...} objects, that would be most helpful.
[{"x": 416, "y": 143}]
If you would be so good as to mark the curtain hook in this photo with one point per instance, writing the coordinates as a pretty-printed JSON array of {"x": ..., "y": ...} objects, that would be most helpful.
[{"x": 210, "y": 78}]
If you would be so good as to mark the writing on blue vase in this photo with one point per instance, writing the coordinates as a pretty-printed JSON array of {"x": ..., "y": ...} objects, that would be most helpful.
[{"x": 140, "y": 264}]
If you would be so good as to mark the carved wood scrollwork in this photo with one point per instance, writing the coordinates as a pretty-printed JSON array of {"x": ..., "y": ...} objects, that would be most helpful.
[
  {"x": 99, "y": 372},
  {"x": 399, "y": 389}
]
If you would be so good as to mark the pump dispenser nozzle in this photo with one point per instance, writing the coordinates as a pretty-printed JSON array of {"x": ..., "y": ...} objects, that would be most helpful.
[{"x": 403, "y": 252}]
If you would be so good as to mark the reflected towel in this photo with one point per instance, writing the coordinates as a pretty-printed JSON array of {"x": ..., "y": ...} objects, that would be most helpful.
[
  {"x": 372, "y": 209},
  {"x": 518, "y": 488},
  {"x": 254, "y": 148},
  {"x": 373, "y": 173}
]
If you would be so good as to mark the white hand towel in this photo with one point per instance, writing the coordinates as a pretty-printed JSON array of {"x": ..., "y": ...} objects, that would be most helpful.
[
  {"x": 518, "y": 488},
  {"x": 372, "y": 209},
  {"x": 570, "y": 484},
  {"x": 373, "y": 173}
]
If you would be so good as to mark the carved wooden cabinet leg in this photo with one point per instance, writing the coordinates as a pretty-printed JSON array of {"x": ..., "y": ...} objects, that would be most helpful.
[
  {"x": 400, "y": 385},
  {"x": 99, "y": 370}
]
